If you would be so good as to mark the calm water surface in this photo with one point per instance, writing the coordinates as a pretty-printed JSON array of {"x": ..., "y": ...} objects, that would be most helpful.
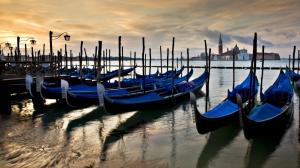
[{"x": 62, "y": 136}]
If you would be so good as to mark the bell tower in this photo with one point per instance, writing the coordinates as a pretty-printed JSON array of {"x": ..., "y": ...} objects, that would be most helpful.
[{"x": 220, "y": 45}]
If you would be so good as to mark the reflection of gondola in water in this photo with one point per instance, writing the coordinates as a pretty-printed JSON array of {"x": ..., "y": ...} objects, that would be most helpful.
[
  {"x": 218, "y": 140},
  {"x": 261, "y": 148},
  {"x": 140, "y": 120}
]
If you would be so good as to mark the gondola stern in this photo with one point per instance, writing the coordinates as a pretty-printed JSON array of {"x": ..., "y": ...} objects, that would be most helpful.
[{"x": 65, "y": 89}]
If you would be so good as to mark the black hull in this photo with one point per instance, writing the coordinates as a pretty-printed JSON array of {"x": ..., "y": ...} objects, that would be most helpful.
[
  {"x": 87, "y": 101},
  {"x": 73, "y": 101},
  {"x": 17, "y": 88},
  {"x": 50, "y": 95},
  {"x": 253, "y": 129},
  {"x": 204, "y": 124},
  {"x": 112, "y": 108}
]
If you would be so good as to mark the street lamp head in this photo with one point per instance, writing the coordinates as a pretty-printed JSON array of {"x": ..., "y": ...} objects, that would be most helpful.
[
  {"x": 7, "y": 44},
  {"x": 67, "y": 37},
  {"x": 33, "y": 42}
]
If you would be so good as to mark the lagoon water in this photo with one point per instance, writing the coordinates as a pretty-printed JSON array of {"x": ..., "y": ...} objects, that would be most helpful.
[{"x": 62, "y": 136}]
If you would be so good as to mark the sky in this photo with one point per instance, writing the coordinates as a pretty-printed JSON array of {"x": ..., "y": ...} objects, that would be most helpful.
[{"x": 189, "y": 22}]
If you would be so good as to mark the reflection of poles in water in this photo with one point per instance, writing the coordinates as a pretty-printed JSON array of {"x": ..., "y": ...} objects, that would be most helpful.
[
  {"x": 122, "y": 148},
  {"x": 101, "y": 130},
  {"x": 173, "y": 140},
  {"x": 187, "y": 118},
  {"x": 145, "y": 137}
]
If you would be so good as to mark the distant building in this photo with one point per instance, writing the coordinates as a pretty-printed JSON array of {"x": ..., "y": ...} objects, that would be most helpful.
[
  {"x": 243, "y": 55},
  {"x": 268, "y": 56},
  {"x": 235, "y": 53},
  {"x": 220, "y": 45}
]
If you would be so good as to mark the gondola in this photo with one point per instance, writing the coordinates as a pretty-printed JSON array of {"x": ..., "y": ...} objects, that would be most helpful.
[
  {"x": 106, "y": 76},
  {"x": 129, "y": 82},
  {"x": 149, "y": 76},
  {"x": 274, "y": 110},
  {"x": 81, "y": 99},
  {"x": 125, "y": 72},
  {"x": 154, "y": 100},
  {"x": 227, "y": 111},
  {"x": 168, "y": 74},
  {"x": 55, "y": 92}
]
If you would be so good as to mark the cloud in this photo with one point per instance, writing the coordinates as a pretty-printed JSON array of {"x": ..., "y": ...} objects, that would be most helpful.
[
  {"x": 213, "y": 36},
  {"x": 287, "y": 34},
  {"x": 268, "y": 30}
]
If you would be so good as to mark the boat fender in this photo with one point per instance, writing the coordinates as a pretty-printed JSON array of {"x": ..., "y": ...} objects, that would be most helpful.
[
  {"x": 29, "y": 80},
  {"x": 100, "y": 91}
]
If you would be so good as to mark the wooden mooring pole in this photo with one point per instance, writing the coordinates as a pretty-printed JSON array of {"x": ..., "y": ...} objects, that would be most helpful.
[{"x": 5, "y": 98}]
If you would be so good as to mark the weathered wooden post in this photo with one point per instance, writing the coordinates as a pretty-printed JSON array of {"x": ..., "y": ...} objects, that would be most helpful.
[
  {"x": 95, "y": 62},
  {"x": 168, "y": 63},
  {"x": 173, "y": 73},
  {"x": 51, "y": 52},
  {"x": 298, "y": 61},
  {"x": 5, "y": 98},
  {"x": 43, "y": 58},
  {"x": 149, "y": 62},
  {"x": 206, "y": 69},
  {"x": 109, "y": 62},
  {"x": 122, "y": 64},
  {"x": 262, "y": 69},
  {"x": 99, "y": 61},
  {"x": 66, "y": 54},
  {"x": 103, "y": 62},
  {"x": 143, "y": 65},
  {"x": 187, "y": 65},
  {"x": 208, "y": 75},
  {"x": 293, "y": 65},
  {"x": 233, "y": 68},
  {"x": 181, "y": 63},
  {"x": 160, "y": 60},
  {"x": 119, "y": 71},
  {"x": 80, "y": 61},
  {"x": 86, "y": 58},
  {"x": 18, "y": 49},
  {"x": 106, "y": 65},
  {"x": 134, "y": 64}
]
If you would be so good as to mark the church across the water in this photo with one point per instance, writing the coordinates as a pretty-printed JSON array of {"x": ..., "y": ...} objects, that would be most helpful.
[{"x": 240, "y": 54}]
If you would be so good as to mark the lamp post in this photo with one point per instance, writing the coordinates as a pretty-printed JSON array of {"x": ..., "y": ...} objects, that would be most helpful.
[
  {"x": 67, "y": 38},
  {"x": 32, "y": 41},
  {"x": 7, "y": 44}
]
